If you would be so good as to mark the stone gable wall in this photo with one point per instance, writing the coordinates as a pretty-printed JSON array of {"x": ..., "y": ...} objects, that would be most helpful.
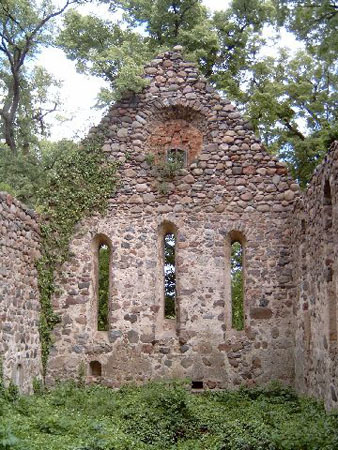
[
  {"x": 229, "y": 184},
  {"x": 19, "y": 295},
  {"x": 229, "y": 188},
  {"x": 315, "y": 240}
]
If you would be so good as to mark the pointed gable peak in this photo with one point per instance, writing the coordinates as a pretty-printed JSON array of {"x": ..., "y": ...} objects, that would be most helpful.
[{"x": 171, "y": 71}]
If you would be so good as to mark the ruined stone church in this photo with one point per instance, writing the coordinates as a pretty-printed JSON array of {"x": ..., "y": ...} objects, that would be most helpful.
[{"x": 226, "y": 189}]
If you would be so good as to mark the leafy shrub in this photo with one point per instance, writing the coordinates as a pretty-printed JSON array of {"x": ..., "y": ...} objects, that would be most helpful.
[
  {"x": 38, "y": 387},
  {"x": 12, "y": 392},
  {"x": 7, "y": 440},
  {"x": 160, "y": 413}
]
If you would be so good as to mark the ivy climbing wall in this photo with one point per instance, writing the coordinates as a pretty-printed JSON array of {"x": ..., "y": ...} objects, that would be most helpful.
[{"x": 19, "y": 297}]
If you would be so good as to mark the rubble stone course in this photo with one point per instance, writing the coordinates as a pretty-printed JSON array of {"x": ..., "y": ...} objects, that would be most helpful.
[
  {"x": 315, "y": 240},
  {"x": 19, "y": 296},
  {"x": 230, "y": 188}
]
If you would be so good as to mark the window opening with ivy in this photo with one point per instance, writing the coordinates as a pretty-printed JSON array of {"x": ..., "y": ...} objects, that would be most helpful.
[
  {"x": 103, "y": 287},
  {"x": 237, "y": 288},
  {"x": 176, "y": 157},
  {"x": 169, "y": 276}
]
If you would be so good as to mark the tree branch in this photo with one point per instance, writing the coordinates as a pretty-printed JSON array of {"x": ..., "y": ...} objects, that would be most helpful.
[{"x": 292, "y": 128}]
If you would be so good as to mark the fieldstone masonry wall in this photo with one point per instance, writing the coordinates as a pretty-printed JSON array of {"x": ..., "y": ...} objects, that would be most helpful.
[
  {"x": 229, "y": 188},
  {"x": 229, "y": 185},
  {"x": 19, "y": 296},
  {"x": 315, "y": 241}
]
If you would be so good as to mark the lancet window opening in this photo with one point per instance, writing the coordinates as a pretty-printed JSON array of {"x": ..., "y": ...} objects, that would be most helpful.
[
  {"x": 169, "y": 271},
  {"x": 237, "y": 282},
  {"x": 102, "y": 249}
]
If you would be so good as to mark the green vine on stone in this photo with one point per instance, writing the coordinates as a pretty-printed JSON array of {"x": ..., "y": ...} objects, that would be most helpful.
[
  {"x": 80, "y": 183},
  {"x": 165, "y": 170}
]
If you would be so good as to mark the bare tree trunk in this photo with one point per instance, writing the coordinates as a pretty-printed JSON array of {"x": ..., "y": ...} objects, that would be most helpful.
[
  {"x": 15, "y": 47},
  {"x": 9, "y": 134},
  {"x": 9, "y": 111}
]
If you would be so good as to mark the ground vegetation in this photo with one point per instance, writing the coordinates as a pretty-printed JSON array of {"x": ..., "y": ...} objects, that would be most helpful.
[{"x": 163, "y": 416}]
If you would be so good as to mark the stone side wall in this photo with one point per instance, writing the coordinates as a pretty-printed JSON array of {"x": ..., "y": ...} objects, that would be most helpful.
[
  {"x": 315, "y": 240},
  {"x": 230, "y": 184},
  {"x": 19, "y": 296}
]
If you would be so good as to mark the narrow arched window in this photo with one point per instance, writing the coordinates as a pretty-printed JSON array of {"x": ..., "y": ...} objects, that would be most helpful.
[
  {"x": 17, "y": 375},
  {"x": 237, "y": 285},
  {"x": 327, "y": 206},
  {"x": 307, "y": 331},
  {"x": 103, "y": 266},
  {"x": 327, "y": 193},
  {"x": 169, "y": 267}
]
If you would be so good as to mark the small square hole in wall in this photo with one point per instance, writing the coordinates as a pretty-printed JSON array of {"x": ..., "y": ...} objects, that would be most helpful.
[
  {"x": 95, "y": 369},
  {"x": 197, "y": 385}
]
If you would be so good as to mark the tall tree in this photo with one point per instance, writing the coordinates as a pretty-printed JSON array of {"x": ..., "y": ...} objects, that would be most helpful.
[
  {"x": 102, "y": 48},
  {"x": 25, "y": 26},
  {"x": 171, "y": 22},
  {"x": 291, "y": 100}
]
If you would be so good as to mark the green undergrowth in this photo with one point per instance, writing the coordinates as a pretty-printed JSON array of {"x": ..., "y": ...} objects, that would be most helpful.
[{"x": 164, "y": 416}]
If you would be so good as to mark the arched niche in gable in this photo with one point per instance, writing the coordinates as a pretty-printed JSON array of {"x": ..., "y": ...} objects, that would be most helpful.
[{"x": 176, "y": 132}]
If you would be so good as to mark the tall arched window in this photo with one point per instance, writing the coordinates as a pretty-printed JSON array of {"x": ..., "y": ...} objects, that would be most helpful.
[
  {"x": 237, "y": 280},
  {"x": 237, "y": 291},
  {"x": 103, "y": 282},
  {"x": 307, "y": 330},
  {"x": 102, "y": 249},
  {"x": 17, "y": 375},
  {"x": 169, "y": 269}
]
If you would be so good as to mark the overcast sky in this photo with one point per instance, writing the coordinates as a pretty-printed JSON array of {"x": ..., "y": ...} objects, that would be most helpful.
[{"x": 78, "y": 93}]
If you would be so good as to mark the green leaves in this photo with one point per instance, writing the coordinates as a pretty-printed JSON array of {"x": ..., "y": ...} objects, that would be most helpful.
[
  {"x": 116, "y": 53},
  {"x": 315, "y": 23},
  {"x": 237, "y": 288},
  {"x": 102, "y": 48},
  {"x": 103, "y": 288},
  {"x": 290, "y": 100}
]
